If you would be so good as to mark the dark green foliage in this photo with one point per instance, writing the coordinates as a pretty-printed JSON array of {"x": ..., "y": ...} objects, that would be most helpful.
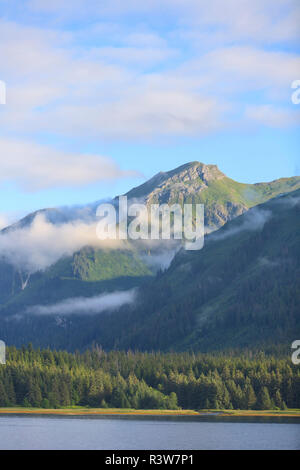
[
  {"x": 242, "y": 290},
  {"x": 264, "y": 400},
  {"x": 97, "y": 265},
  {"x": 51, "y": 379},
  {"x": 88, "y": 272}
]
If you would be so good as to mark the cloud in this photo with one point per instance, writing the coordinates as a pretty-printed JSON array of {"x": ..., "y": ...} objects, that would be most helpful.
[
  {"x": 272, "y": 116},
  {"x": 257, "y": 19},
  {"x": 161, "y": 261},
  {"x": 185, "y": 79},
  {"x": 38, "y": 246},
  {"x": 288, "y": 201},
  {"x": 4, "y": 222},
  {"x": 141, "y": 113},
  {"x": 265, "y": 262},
  {"x": 98, "y": 92},
  {"x": 254, "y": 67},
  {"x": 35, "y": 167},
  {"x": 140, "y": 55},
  {"x": 253, "y": 220},
  {"x": 161, "y": 254},
  {"x": 86, "y": 305},
  {"x": 8, "y": 218}
]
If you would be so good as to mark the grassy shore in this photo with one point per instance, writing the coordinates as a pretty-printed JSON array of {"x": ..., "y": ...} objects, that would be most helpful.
[
  {"x": 77, "y": 411},
  {"x": 295, "y": 413}
]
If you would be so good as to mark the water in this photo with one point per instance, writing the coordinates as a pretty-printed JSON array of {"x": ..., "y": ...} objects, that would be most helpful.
[{"x": 121, "y": 433}]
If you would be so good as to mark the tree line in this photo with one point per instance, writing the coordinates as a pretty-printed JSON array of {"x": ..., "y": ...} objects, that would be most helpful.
[{"x": 95, "y": 378}]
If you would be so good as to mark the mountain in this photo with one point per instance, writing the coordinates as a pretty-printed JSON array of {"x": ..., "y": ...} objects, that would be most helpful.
[
  {"x": 52, "y": 215},
  {"x": 242, "y": 290},
  {"x": 86, "y": 273},
  {"x": 56, "y": 216},
  {"x": 223, "y": 197},
  {"x": 90, "y": 271}
]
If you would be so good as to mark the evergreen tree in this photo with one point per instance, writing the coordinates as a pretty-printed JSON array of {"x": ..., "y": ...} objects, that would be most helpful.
[
  {"x": 250, "y": 397},
  {"x": 264, "y": 401}
]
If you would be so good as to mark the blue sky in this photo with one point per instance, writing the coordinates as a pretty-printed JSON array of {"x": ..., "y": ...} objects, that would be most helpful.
[{"x": 103, "y": 94}]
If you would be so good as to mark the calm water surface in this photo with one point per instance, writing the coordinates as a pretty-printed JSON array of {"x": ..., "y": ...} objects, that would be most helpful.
[{"x": 114, "y": 433}]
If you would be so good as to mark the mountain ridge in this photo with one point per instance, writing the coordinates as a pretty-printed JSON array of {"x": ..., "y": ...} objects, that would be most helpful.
[
  {"x": 90, "y": 271},
  {"x": 244, "y": 194},
  {"x": 241, "y": 290},
  {"x": 223, "y": 197}
]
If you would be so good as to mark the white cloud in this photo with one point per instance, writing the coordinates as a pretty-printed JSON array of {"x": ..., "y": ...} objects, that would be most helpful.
[
  {"x": 98, "y": 80},
  {"x": 86, "y": 305},
  {"x": 38, "y": 246},
  {"x": 254, "y": 220},
  {"x": 140, "y": 113},
  {"x": 9, "y": 218},
  {"x": 253, "y": 67},
  {"x": 35, "y": 167},
  {"x": 257, "y": 20},
  {"x": 272, "y": 116},
  {"x": 4, "y": 221},
  {"x": 267, "y": 20},
  {"x": 140, "y": 56}
]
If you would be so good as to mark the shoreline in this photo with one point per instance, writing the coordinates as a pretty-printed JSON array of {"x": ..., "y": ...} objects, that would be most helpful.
[{"x": 128, "y": 412}]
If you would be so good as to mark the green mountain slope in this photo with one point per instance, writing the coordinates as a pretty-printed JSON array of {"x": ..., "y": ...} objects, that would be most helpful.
[
  {"x": 86, "y": 273},
  {"x": 200, "y": 294},
  {"x": 223, "y": 197},
  {"x": 241, "y": 290}
]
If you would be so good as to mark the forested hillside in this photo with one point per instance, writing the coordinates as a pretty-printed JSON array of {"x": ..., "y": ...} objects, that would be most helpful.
[
  {"x": 89, "y": 271},
  {"x": 242, "y": 290},
  {"x": 53, "y": 379}
]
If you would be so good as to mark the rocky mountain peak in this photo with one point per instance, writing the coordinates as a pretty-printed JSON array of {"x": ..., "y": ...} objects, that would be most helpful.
[
  {"x": 194, "y": 175},
  {"x": 195, "y": 170}
]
